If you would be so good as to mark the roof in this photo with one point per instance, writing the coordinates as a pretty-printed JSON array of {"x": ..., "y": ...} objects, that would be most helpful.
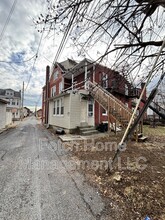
[
  {"x": 79, "y": 68},
  {"x": 67, "y": 64},
  {"x": 16, "y": 93},
  {"x": 3, "y": 101},
  {"x": 2, "y": 92},
  {"x": 39, "y": 110}
]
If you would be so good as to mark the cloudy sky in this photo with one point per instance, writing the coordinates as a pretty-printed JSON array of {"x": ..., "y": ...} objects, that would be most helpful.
[
  {"x": 19, "y": 44},
  {"x": 20, "y": 41}
]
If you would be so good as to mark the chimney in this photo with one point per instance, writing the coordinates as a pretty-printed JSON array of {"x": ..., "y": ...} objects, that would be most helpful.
[{"x": 47, "y": 95}]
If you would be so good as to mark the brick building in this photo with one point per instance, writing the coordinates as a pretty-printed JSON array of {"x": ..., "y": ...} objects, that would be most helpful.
[{"x": 68, "y": 101}]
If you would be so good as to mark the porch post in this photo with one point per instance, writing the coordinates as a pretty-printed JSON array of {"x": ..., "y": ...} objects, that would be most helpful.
[
  {"x": 94, "y": 68},
  {"x": 72, "y": 81}
]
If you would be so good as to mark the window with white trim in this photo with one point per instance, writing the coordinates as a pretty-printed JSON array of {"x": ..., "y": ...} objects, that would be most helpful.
[
  {"x": 104, "y": 112},
  {"x": 105, "y": 80},
  {"x": 126, "y": 89},
  {"x": 90, "y": 108},
  {"x": 53, "y": 91},
  {"x": 54, "y": 108},
  {"x": 60, "y": 87},
  {"x": 62, "y": 107},
  {"x": 56, "y": 74},
  {"x": 58, "y": 107}
]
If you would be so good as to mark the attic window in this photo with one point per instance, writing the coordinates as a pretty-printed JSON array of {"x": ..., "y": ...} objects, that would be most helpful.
[{"x": 56, "y": 74}]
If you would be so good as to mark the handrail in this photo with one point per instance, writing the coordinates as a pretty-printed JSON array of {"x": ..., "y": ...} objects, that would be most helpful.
[
  {"x": 110, "y": 95},
  {"x": 110, "y": 101}
]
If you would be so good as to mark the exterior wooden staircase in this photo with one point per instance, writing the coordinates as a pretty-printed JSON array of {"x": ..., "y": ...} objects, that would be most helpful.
[
  {"x": 115, "y": 108},
  {"x": 110, "y": 103}
]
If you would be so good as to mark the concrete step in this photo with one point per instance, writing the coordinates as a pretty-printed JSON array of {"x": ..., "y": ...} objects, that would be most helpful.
[
  {"x": 142, "y": 139},
  {"x": 89, "y": 132},
  {"x": 87, "y": 128}
]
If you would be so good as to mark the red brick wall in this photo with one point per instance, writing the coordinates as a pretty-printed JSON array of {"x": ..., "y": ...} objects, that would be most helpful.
[{"x": 56, "y": 81}]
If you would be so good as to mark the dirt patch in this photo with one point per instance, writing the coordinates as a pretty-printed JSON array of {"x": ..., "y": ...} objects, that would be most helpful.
[{"x": 135, "y": 188}]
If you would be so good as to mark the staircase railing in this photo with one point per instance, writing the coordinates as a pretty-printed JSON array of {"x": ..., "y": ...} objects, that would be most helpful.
[{"x": 110, "y": 103}]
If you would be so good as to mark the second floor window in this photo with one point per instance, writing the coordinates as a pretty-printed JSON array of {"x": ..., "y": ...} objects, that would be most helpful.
[
  {"x": 53, "y": 91},
  {"x": 105, "y": 80},
  {"x": 56, "y": 74},
  {"x": 126, "y": 89},
  {"x": 60, "y": 87}
]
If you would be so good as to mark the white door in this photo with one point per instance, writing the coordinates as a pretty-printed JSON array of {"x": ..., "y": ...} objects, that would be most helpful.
[{"x": 83, "y": 111}]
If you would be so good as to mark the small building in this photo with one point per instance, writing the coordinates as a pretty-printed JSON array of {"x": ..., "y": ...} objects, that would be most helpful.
[
  {"x": 39, "y": 113},
  {"x": 3, "y": 104},
  {"x": 26, "y": 111},
  {"x": 13, "y": 99}
]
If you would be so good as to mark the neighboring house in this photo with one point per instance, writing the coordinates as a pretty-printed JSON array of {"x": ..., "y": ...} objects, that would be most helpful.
[
  {"x": 39, "y": 113},
  {"x": 3, "y": 105},
  {"x": 13, "y": 99},
  {"x": 69, "y": 101},
  {"x": 26, "y": 111}
]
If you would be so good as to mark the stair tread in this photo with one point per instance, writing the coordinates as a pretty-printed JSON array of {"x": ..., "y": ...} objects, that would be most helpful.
[{"x": 87, "y": 128}]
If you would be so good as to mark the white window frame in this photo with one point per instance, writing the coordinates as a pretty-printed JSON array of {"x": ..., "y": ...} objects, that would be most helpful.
[
  {"x": 58, "y": 107},
  {"x": 53, "y": 91},
  {"x": 105, "y": 114},
  {"x": 62, "y": 107},
  {"x": 55, "y": 75},
  {"x": 105, "y": 80},
  {"x": 60, "y": 86},
  {"x": 91, "y": 113},
  {"x": 54, "y": 108}
]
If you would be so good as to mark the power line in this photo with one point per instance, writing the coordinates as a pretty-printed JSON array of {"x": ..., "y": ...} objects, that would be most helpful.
[{"x": 8, "y": 19}]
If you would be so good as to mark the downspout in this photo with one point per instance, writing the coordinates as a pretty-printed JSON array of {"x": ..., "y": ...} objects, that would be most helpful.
[
  {"x": 94, "y": 72},
  {"x": 85, "y": 83},
  {"x": 47, "y": 95}
]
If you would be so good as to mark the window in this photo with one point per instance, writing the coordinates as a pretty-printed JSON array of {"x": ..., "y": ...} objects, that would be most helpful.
[
  {"x": 104, "y": 112},
  {"x": 55, "y": 74},
  {"x": 114, "y": 84},
  {"x": 62, "y": 107},
  {"x": 60, "y": 87},
  {"x": 105, "y": 80},
  {"x": 53, "y": 91},
  {"x": 13, "y": 103},
  {"x": 90, "y": 108},
  {"x": 54, "y": 108},
  {"x": 126, "y": 89},
  {"x": 17, "y": 102},
  {"x": 58, "y": 107}
]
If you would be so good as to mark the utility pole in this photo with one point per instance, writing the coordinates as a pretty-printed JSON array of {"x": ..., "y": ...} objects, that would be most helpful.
[
  {"x": 22, "y": 101},
  {"x": 36, "y": 110}
]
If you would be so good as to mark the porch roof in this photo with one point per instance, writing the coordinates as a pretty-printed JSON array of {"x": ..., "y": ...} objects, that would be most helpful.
[
  {"x": 59, "y": 96},
  {"x": 79, "y": 68}
]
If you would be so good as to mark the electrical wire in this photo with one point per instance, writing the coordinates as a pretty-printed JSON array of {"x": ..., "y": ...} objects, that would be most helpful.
[{"x": 8, "y": 19}]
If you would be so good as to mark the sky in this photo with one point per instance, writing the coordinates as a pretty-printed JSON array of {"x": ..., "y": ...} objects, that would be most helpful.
[{"x": 20, "y": 41}]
